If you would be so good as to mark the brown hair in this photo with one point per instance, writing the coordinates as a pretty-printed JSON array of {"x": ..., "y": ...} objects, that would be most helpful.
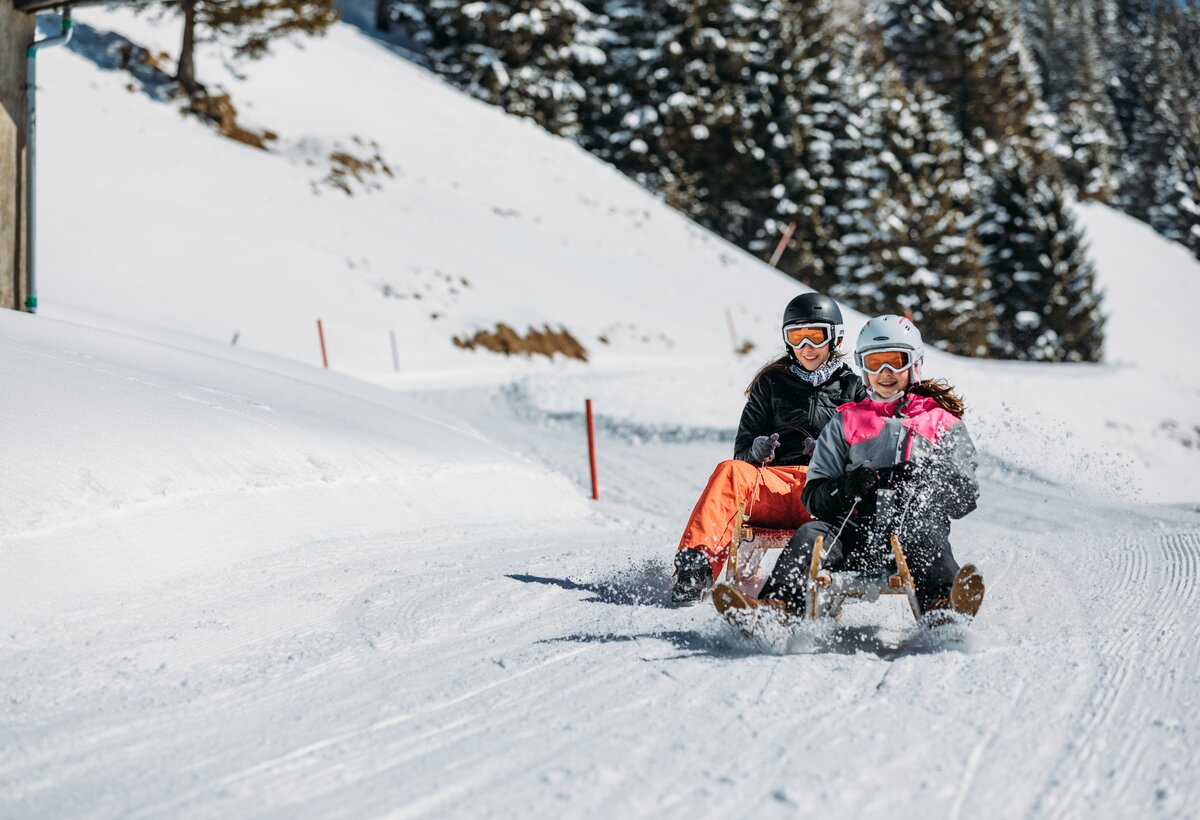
[
  {"x": 783, "y": 363},
  {"x": 942, "y": 392}
]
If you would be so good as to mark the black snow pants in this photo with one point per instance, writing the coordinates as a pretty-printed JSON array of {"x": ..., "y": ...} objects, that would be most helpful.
[{"x": 926, "y": 547}]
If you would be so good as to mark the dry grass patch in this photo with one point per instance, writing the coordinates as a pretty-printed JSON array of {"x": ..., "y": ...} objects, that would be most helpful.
[
  {"x": 545, "y": 342},
  {"x": 344, "y": 167},
  {"x": 218, "y": 109}
]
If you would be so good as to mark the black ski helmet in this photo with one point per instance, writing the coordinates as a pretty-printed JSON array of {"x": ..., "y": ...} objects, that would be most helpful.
[{"x": 814, "y": 308}]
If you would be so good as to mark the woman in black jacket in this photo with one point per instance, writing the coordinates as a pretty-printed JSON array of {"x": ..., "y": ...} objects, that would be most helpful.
[{"x": 788, "y": 402}]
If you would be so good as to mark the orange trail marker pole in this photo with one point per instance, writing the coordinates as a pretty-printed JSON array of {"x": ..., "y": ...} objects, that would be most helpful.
[
  {"x": 321, "y": 336},
  {"x": 591, "y": 425}
]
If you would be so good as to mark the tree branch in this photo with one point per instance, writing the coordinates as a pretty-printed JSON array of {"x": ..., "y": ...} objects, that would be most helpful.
[{"x": 32, "y": 6}]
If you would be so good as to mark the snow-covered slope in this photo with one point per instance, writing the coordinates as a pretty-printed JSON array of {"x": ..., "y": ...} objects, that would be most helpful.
[
  {"x": 484, "y": 220},
  {"x": 237, "y": 584},
  {"x": 139, "y": 462}
]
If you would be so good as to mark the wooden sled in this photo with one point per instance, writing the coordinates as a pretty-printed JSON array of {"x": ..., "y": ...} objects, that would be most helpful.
[{"x": 827, "y": 591}]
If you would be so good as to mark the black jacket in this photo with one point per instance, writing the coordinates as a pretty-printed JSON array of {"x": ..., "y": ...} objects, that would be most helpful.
[{"x": 781, "y": 402}]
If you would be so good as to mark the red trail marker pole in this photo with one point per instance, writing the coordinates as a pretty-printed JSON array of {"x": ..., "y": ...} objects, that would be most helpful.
[
  {"x": 321, "y": 336},
  {"x": 787, "y": 237},
  {"x": 592, "y": 449},
  {"x": 732, "y": 332}
]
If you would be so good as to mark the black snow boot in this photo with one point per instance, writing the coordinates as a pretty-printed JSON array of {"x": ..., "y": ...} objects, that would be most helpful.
[{"x": 693, "y": 577}]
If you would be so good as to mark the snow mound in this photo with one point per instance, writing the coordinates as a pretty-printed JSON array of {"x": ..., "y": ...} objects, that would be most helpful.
[{"x": 140, "y": 461}]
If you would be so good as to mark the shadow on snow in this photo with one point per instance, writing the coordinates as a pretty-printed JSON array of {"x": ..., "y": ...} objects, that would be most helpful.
[
  {"x": 803, "y": 639},
  {"x": 110, "y": 51},
  {"x": 649, "y": 583},
  {"x": 646, "y": 585}
]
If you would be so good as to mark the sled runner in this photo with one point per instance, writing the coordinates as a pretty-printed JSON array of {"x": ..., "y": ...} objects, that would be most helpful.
[{"x": 749, "y": 615}]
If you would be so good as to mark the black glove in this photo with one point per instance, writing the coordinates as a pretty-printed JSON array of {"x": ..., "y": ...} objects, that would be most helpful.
[
  {"x": 859, "y": 482},
  {"x": 905, "y": 473},
  {"x": 763, "y": 448}
]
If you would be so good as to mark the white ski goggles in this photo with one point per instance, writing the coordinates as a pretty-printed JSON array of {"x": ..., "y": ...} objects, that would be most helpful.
[
  {"x": 895, "y": 359},
  {"x": 808, "y": 335}
]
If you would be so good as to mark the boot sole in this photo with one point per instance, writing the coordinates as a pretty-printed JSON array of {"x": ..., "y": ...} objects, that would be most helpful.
[
  {"x": 966, "y": 594},
  {"x": 749, "y": 615},
  {"x": 726, "y": 598},
  {"x": 683, "y": 603}
]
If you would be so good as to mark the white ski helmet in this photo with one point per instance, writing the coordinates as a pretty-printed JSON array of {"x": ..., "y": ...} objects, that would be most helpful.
[{"x": 890, "y": 333}]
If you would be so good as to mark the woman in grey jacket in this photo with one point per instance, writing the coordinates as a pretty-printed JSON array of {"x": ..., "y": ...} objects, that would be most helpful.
[{"x": 906, "y": 437}]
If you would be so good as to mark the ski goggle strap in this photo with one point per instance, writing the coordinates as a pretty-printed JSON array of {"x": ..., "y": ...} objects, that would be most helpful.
[
  {"x": 812, "y": 335},
  {"x": 896, "y": 360}
]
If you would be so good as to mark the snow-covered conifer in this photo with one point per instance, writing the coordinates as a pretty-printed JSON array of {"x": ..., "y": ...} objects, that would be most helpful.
[
  {"x": 1158, "y": 108},
  {"x": 1043, "y": 284},
  {"x": 965, "y": 51},
  {"x": 908, "y": 243},
  {"x": 535, "y": 58},
  {"x": 1066, "y": 40}
]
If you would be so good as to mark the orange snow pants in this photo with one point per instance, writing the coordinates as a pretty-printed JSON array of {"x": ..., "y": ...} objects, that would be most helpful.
[{"x": 775, "y": 505}]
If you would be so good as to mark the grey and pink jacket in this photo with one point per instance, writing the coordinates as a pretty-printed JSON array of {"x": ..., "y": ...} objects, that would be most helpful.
[{"x": 912, "y": 442}]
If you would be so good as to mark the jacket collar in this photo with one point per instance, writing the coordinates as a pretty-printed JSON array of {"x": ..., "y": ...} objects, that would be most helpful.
[{"x": 906, "y": 405}]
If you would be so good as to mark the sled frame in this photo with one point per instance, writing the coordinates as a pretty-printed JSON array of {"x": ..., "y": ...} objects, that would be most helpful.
[
  {"x": 828, "y": 591},
  {"x": 748, "y": 572}
]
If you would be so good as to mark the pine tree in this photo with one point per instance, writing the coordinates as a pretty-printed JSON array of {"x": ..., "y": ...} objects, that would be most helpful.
[
  {"x": 1043, "y": 283},
  {"x": 909, "y": 244},
  {"x": 1155, "y": 97},
  {"x": 535, "y": 58},
  {"x": 711, "y": 104},
  {"x": 810, "y": 118},
  {"x": 693, "y": 107},
  {"x": 1155, "y": 89},
  {"x": 250, "y": 27},
  {"x": 965, "y": 51},
  {"x": 1067, "y": 40}
]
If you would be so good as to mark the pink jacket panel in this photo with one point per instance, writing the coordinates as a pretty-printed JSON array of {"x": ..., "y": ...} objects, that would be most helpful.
[{"x": 864, "y": 420}]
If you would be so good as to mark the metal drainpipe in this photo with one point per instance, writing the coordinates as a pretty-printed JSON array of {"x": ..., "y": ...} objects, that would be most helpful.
[{"x": 62, "y": 39}]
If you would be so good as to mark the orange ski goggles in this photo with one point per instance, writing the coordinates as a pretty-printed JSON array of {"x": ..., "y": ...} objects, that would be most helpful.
[
  {"x": 814, "y": 335},
  {"x": 896, "y": 360}
]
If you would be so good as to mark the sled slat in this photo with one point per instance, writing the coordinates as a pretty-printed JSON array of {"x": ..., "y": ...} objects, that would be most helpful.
[
  {"x": 906, "y": 579},
  {"x": 814, "y": 573}
]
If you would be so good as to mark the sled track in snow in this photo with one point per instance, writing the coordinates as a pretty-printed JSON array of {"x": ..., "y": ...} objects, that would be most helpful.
[
  {"x": 1145, "y": 636},
  {"x": 525, "y": 409}
]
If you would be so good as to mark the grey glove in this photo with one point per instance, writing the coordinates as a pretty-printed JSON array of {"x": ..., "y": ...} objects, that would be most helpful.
[
  {"x": 810, "y": 445},
  {"x": 763, "y": 448}
]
